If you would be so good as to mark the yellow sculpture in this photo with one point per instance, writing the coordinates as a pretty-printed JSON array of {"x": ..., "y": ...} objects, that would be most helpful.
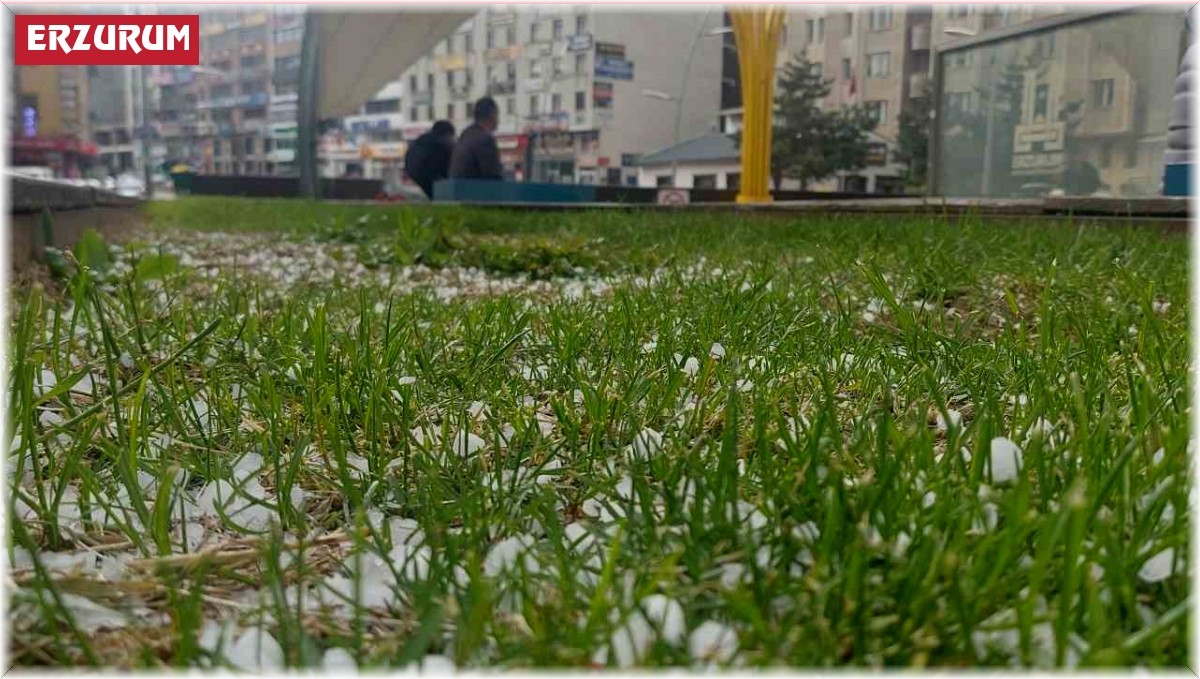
[{"x": 756, "y": 31}]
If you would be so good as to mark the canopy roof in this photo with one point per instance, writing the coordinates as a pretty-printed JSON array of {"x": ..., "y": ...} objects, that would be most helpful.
[{"x": 360, "y": 52}]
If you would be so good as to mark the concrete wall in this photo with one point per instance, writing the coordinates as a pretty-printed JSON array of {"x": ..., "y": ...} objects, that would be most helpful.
[{"x": 658, "y": 44}]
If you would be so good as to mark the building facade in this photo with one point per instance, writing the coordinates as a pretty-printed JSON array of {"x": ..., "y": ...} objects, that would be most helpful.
[
  {"x": 51, "y": 127},
  {"x": 569, "y": 84}
]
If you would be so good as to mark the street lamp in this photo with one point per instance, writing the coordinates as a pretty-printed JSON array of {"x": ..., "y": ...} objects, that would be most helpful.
[{"x": 656, "y": 94}]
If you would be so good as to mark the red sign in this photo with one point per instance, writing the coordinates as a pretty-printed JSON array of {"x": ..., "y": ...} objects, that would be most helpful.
[{"x": 107, "y": 40}]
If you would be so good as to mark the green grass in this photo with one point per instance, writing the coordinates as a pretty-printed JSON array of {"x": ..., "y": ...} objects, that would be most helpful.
[{"x": 433, "y": 427}]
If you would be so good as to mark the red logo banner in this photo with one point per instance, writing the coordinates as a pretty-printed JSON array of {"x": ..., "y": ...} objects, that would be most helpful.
[{"x": 107, "y": 40}]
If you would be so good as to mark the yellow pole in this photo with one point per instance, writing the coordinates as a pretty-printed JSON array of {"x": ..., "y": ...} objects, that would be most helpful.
[{"x": 756, "y": 31}]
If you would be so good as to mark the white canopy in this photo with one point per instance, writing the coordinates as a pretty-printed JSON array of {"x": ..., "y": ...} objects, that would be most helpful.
[{"x": 360, "y": 52}]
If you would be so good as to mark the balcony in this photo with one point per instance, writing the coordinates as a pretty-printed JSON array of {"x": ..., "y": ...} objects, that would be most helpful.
[
  {"x": 502, "y": 87},
  {"x": 460, "y": 92},
  {"x": 919, "y": 40},
  {"x": 422, "y": 98}
]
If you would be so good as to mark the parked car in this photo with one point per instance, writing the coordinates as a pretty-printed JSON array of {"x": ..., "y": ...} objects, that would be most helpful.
[{"x": 129, "y": 185}]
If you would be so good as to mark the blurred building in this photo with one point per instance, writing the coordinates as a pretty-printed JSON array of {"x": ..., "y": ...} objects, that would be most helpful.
[
  {"x": 114, "y": 114},
  {"x": 877, "y": 56},
  {"x": 569, "y": 83},
  {"x": 51, "y": 127},
  {"x": 235, "y": 113}
]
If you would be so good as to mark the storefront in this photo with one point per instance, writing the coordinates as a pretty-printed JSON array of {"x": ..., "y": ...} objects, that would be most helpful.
[
  {"x": 512, "y": 154},
  {"x": 65, "y": 155}
]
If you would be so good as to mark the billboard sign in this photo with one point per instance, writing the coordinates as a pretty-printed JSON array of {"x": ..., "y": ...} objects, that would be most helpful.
[{"x": 613, "y": 69}]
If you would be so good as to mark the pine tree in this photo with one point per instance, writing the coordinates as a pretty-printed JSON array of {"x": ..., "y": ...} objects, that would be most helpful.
[{"x": 810, "y": 144}]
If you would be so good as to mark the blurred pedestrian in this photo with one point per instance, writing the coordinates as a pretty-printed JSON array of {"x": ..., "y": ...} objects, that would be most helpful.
[
  {"x": 1080, "y": 178},
  {"x": 428, "y": 159},
  {"x": 476, "y": 155}
]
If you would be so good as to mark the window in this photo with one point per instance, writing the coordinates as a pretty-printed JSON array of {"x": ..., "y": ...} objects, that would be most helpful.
[
  {"x": 558, "y": 67},
  {"x": 468, "y": 43},
  {"x": 533, "y": 32},
  {"x": 287, "y": 63},
  {"x": 252, "y": 61},
  {"x": 958, "y": 12},
  {"x": 429, "y": 112},
  {"x": 879, "y": 18},
  {"x": 450, "y": 79},
  {"x": 879, "y": 64},
  {"x": 470, "y": 110},
  {"x": 450, "y": 111},
  {"x": 1044, "y": 47},
  {"x": 412, "y": 85},
  {"x": 1102, "y": 93},
  {"x": 217, "y": 149},
  {"x": 958, "y": 102},
  {"x": 815, "y": 29},
  {"x": 849, "y": 23},
  {"x": 535, "y": 68},
  {"x": 491, "y": 39},
  {"x": 580, "y": 25},
  {"x": 556, "y": 102},
  {"x": 267, "y": 145},
  {"x": 845, "y": 69},
  {"x": 558, "y": 29},
  {"x": 704, "y": 181},
  {"x": 960, "y": 58},
  {"x": 383, "y": 106},
  {"x": 289, "y": 35},
  {"x": 1106, "y": 154},
  {"x": 248, "y": 145},
  {"x": 580, "y": 101},
  {"x": 580, "y": 63},
  {"x": 469, "y": 77},
  {"x": 733, "y": 181},
  {"x": 512, "y": 72},
  {"x": 817, "y": 68},
  {"x": 664, "y": 181},
  {"x": 1041, "y": 102},
  {"x": 510, "y": 35},
  {"x": 533, "y": 104},
  {"x": 412, "y": 114},
  {"x": 878, "y": 111},
  {"x": 429, "y": 81},
  {"x": 1131, "y": 155},
  {"x": 510, "y": 106}
]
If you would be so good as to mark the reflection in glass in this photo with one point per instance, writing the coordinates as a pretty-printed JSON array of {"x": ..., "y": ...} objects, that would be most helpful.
[{"x": 1078, "y": 110}]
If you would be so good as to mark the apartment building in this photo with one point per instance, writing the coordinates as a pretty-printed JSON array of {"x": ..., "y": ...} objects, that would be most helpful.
[
  {"x": 52, "y": 127},
  {"x": 232, "y": 113},
  {"x": 878, "y": 56},
  {"x": 568, "y": 82}
]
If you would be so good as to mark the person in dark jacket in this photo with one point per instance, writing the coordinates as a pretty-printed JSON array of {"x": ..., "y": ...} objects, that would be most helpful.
[
  {"x": 428, "y": 159},
  {"x": 476, "y": 155}
]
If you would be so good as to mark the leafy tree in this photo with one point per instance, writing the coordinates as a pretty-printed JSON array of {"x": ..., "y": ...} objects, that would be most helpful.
[{"x": 809, "y": 143}]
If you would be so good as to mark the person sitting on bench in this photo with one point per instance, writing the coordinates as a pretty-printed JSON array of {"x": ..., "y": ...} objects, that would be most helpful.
[
  {"x": 476, "y": 155},
  {"x": 428, "y": 159}
]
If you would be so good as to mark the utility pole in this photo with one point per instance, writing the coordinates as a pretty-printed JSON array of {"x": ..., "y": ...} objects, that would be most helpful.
[
  {"x": 146, "y": 129},
  {"x": 147, "y": 170},
  {"x": 306, "y": 114}
]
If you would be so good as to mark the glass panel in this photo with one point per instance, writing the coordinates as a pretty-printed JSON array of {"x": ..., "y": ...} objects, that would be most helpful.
[{"x": 1045, "y": 113}]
